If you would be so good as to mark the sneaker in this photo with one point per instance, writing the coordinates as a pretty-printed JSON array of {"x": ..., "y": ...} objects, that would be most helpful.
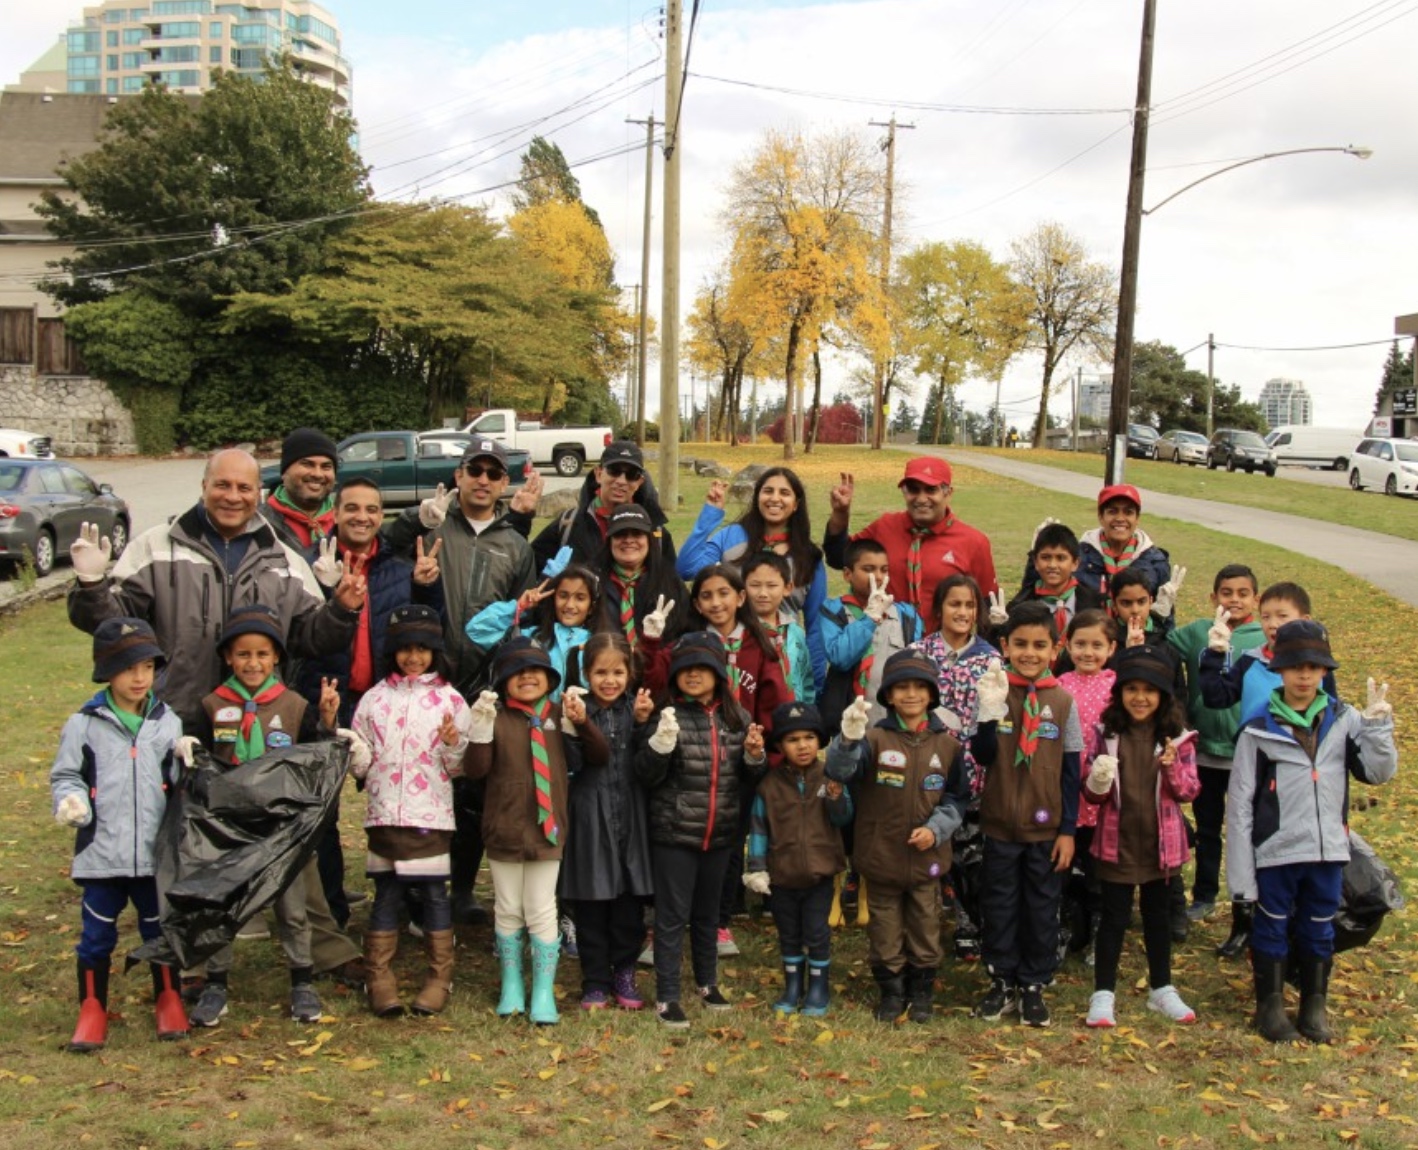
[
  {"x": 1033, "y": 1010},
  {"x": 568, "y": 937},
  {"x": 713, "y": 998},
  {"x": 211, "y": 1006},
  {"x": 647, "y": 956},
  {"x": 728, "y": 948},
  {"x": 1100, "y": 1011},
  {"x": 999, "y": 1000},
  {"x": 1167, "y": 1002},
  {"x": 595, "y": 1000},
  {"x": 1200, "y": 911},
  {"x": 305, "y": 1003},
  {"x": 967, "y": 948},
  {"x": 254, "y": 930},
  {"x": 671, "y": 1014}
]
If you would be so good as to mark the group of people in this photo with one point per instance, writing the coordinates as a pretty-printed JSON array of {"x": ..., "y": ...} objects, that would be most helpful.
[{"x": 614, "y": 739}]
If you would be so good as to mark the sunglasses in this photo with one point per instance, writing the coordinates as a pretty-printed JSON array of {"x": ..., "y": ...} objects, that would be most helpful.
[
  {"x": 911, "y": 487},
  {"x": 623, "y": 471},
  {"x": 479, "y": 470}
]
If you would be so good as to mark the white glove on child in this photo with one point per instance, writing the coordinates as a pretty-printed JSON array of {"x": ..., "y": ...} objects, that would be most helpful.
[
  {"x": 89, "y": 554},
  {"x": 993, "y": 693},
  {"x": 1379, "y": 707},
  {"x": 653, "y": 625},
  {"x": 434, "y": 510},
  {"x": 854, "y": 720},
  {"x": 1103, "y": 774},
  {"x": 666, "y": 736},
  {"x": 878, "y": 602},
  {"x": 185, "y": 750},
  {"x": 482, "y": 715},
  {"x": 1218, "y": 635},
  {"x": 1166, "y": 599},
  {"x": 757, "y": 881},
  {"x": 999, "y": 614},
  {"x": 73, "y": 811},
  {"x": 360, "y": 753},
  {"x": 327, "y": 568},
  {"x": 571, "y": 700}
]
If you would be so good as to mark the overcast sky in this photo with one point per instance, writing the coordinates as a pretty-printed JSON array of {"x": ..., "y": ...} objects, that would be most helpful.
[{"x": 1294, "y": 252}]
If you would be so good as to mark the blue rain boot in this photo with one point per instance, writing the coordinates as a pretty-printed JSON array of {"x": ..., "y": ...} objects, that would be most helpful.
[
  {"x": 792, "y": 987},
  {"x": 545, "y": 956},
  {"x": 514, "y": 991},
  {"x": 818, "y": 993}
]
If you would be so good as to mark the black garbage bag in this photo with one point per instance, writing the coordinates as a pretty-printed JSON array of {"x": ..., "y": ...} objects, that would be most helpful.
[
  {"x": 233, "y": 839},
  {"x": 1370, "y": 891}
]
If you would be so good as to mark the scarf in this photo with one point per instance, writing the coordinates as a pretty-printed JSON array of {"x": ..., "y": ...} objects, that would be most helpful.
[
  {"x": 1115, "y": 559},
  {"x": 1267, "y": 652},
  {"x": 861, "y": 677},
  {"x": 922, "y": 724},
  {"x": 250, "y": 739},
  {"x": 625, "y": 583},
  {"x": 537, "y": 716},
  {"x": 314, "y": 526},
  {"x": 733, "y": 644},
  {"x": 1061, "y": 603},
  {"x": 1029, "y": 717},
  {"x": 771, "y": 539},
  {"x": 132, "y": 722},
  {"x": 913, "y": 562},
  {"x": 779, "y": 633},
  {"x": 1287, "y": 714},
  {"x": 600, "y": 514}
]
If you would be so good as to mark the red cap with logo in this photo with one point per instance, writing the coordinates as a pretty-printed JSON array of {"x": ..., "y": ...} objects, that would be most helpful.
[
  {"x": 1119, "y": 491},
  {"x": 927, "y": 469}
]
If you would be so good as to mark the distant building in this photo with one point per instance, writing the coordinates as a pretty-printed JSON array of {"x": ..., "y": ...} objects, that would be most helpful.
[
  {"x": 1095, "y": 398},
  {"x": 1285, "y": 401}
]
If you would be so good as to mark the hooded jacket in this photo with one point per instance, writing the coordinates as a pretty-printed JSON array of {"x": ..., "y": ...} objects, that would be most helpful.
[
  {"x": 1092, "y": 573},
  {"x": 1176, "y": 784},
  {"x": 578, "y": 530},
  {"x": 1216, "y": 727}
]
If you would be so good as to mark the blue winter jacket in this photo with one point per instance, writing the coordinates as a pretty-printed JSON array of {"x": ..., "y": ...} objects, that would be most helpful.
[{"x": 497, "y": 621}]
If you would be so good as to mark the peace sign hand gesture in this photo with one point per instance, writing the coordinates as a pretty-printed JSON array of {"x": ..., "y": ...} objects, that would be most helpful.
[{"x": 426, "y": 562}]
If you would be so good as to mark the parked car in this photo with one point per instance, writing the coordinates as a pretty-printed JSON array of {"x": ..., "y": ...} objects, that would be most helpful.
[
  {"x": 566, "y": 449},
  {"x": 42, "y": 504},
  {"x": 1328, "y": 447},
  {"x": 1232, "y": 448},
  {"x": 1142, "y": 441},
  {"x": 1179, "y": 446},
  {"x": 1387, "y": 464},
  {"x": 24, "y": 445}
]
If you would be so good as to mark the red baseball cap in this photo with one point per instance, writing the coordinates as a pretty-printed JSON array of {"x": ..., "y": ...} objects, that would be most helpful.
[
  {"x": 1119, "y": 491},
  {"x": 927, "y": 469}
]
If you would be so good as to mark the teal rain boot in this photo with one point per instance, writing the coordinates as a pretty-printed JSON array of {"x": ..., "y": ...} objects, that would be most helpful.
[
  {"x": 514, "y": 991},
  {"x": 545, "y": 956}
]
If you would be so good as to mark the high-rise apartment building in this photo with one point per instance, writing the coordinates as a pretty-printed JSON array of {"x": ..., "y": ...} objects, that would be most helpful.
[
  {"x": 1286, "y": 401},
  {"x": 116, "y": 48}
]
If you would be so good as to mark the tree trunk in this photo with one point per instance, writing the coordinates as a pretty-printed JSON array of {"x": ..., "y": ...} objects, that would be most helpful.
[
  {"x": 939, "y": 412},
  {"x": 790, "y": 375},
  {"x": 811, "y": 436},
  {"x": 1042, "y": 424},
  {"x": 735, "y": 387}
]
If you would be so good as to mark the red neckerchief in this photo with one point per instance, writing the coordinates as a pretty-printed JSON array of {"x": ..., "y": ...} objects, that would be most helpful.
[
  {"x": 861, "y": 677},
  {"x": 1029, "y": 717},
  {"x": 1057, "y": 601},
  {"x": 362, "y": 657},
  {"x": 541, "y": 763}
]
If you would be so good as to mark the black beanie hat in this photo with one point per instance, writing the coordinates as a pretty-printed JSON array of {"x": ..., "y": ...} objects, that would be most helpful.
[
  {"x": 699, "y": 649},
  {"x": 122, "y": 643},
  {"x": 790, "y": 717},
  {"x": 254, "y": 619},
  {"x": 412, "y": 624},
  {"x": 518, "y": 654},
  {"x": 909, "y": 667},
  {"x": 1152, "y": 665},
  {"x": 307, "y": 443}
]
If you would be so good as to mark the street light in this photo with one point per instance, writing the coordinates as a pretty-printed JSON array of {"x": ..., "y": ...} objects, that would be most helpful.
[{"x": 1349, "y": 150}]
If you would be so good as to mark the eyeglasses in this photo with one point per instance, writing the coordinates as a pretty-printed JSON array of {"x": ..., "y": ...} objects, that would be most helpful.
[
  {"x": 911, "y": 487},
  {"x": 478, "y": 470},
  {"x": 622, "y": 471}
]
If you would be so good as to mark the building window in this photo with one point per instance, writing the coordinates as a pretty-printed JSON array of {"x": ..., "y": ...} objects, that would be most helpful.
[
  {"x": 110, "y": 87},
  {"x": 83, "y": 87},
  {"x": 111, "y": 62},
  {"x": 115, "y": 16},
  {"x": 180, "y": 30},
  {"x": 186, "y": 78},
  {"x": 83, "y": 66},
  {"x": 82, "y": 41},
  {"x": 214, "y": 54},
  {"x": 133, "y": 83},
  {"x": 134, "y": 60},
  {"x": 181, "y": 7},
  {"x": 110, "y": 38},
  {"x": 133, "y": 36},
  {"x": 214, "y": 30}
]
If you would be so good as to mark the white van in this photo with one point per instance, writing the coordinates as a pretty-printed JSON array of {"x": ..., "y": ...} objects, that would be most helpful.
[{"x": 1297, "y": 445}]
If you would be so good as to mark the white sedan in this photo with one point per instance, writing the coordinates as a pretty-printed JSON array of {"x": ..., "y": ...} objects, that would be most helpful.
[{"x": 1387, "y": 465}]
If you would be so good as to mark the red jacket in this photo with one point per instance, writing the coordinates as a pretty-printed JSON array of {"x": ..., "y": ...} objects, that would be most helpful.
[{"x": 1176, "y": 784}]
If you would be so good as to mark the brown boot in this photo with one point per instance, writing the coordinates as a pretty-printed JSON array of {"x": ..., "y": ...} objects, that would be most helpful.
[
  {"x": 439, "y": 980},
  {"x": 380, "y": 984}
]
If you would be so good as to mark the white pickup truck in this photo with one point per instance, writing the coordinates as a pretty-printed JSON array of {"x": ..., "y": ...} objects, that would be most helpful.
[{"x": 565, "y": 449}]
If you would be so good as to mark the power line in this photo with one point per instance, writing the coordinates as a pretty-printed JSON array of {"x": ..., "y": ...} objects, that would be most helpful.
[
  {"x": 913, "y": 105},
  {"x": 1316, "y": 347}
]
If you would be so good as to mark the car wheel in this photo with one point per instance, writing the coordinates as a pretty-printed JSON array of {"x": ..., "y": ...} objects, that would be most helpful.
[
  {"x": 118, "y": 537},
  {"x": 1231, "y": 464},
  {"x": 1391, "y": 485},
  {"x": 567, "y": 463},
  {"x": 1210, "y": 463},
  {"x": 1270, "y": 473},
  {"x": 1341, "y": 463},
  {"x": 1177, "y": 457},
  {"x": 1354, "y": 480},
  {"x": 43, "y": 555}
]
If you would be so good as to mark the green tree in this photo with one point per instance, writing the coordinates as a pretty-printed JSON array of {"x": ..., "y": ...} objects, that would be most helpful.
[
  {"x": 1230, "y": 410},
  {"x": 1397, "y": 373},
  {"x": 546, "y": 178},
  {"x": 1165, "y": 392}
]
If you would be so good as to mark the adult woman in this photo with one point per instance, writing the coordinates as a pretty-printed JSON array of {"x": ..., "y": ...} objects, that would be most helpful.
[
  {"x": 776, "y": 519},
  {"x": 637, "y": 576}
]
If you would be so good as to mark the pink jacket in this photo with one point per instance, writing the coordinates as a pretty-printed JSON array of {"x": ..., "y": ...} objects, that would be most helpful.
[
  {"x": 1176, "y": 784},
  {"x": 1091, "y": 694}
]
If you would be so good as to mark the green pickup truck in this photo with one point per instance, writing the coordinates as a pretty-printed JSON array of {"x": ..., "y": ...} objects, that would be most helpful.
[{"x": 407, "y": 465}]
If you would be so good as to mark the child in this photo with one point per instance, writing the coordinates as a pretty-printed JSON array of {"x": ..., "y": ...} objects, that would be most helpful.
[
  {"x": 1289, "y": 798},
  {"x": 1054, "y": 560},
  {"x": 910, "y": 800},
  {"x": 110, "y": 780},
  {"x": 755, "y": 673},
  {"x": 520, "y": 749},
  {"x": 1233, "y": 591},
  {"x": 768, "y": 584},
  {"x": 1029, "y": 742},
  {"x": 559, "y": 627},
  {"x": 694, "y": 783},
  {"x": 1147, "y": 769},
  {"x": 412, "y": 723},
  {"x": 1132, "y": 598},
  {"x": 606, "y": 874},
  {"x": 794, "y": 853}
]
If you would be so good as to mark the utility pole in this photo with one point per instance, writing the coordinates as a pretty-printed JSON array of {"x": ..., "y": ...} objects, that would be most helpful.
[
  {"x": 644, "y": 350},
  {"x": 634, "y": 377},
  {"x": 1132, "y": 237},
  {"x": 1210, "y": 383},
  {"x": 879, "y": 378},
  {"x": 669, "y": 292}
]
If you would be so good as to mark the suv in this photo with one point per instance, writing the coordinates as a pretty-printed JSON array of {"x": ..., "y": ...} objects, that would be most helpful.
[
  {"x": 1239, "y": 449},
  {"x": 1390, "y": 464}
]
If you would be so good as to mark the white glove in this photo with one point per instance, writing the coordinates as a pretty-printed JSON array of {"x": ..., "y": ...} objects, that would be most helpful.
[
  {"x": 993, "y": 692},
  {"x": 1166, "y": 599},
  {"x": 327, "y": 568},
  {"x": 999, "y": 613},
  {"x": 653, "y": 625},
  {"x": 757, "y": 881},
  {"x": 1379, "y": 707},
  {"x": 185, "y": 750},
  {"x": 878, "y": 602},
  {"x": 666, "y": 736},
  {"x": 1048, "y": 521},
  {"x": 89, "y": 554},
  {"x": 1218, "y": 636},
  {"x": 567, "y": 726},
  {"x": 482, "y": 715},
  {"x": 360, "y": 753},
  {"x": 1102, "y": 774},
  {"x": 854, "y": 720},
  {"x": 73, "y": 811},
  {"x": 434, "y": 510}
]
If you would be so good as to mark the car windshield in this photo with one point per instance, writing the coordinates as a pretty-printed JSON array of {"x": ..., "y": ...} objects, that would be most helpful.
[
  {"x": 1142, "y": 431},
  {"x": 1407, "y": 452},
  {"x": 1248, "y": 439},
  {"x": 1188, "y": 437}
]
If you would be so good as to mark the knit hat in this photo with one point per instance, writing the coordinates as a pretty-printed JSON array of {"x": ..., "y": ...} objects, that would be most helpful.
[
  {"x": 699, "y": 649},
  {"x": 412, "y": 624},
  {"x": 623, "y": 451},
  {"x": 1299, "y": 642},
  {"x": 908, "y": 667},
  {"x": 929, "y": 470},
  {"x": 629, "y": 517},
  {"x": 1119, "y": 491},
  {"x": 308, "y": 443},
  {"x": 123, "y": 643},
  {"x": 1152, "y": 665},
  {"x": 790, "y": 717},
  {"x": 254, "y": 619},
  {"x": 518, "y": 654}
]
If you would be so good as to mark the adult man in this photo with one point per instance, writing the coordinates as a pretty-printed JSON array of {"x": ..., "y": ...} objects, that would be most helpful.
[
  {"x": 924, "y": 544},
  {"x": 302, "y": 508}
]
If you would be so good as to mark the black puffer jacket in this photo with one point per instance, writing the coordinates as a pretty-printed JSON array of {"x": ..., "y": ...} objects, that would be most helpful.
[
  {"x": 578, "y": 530},
  {"x": 694, "y": 790}
]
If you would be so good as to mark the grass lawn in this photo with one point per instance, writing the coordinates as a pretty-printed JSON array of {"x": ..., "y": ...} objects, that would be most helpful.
[
  {"x": 467, "y": 1079},
  {"x": 1369, "y": 510}
]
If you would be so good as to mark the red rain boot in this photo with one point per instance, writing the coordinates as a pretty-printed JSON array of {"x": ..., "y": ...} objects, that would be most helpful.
[
  {"x": 171, "y": 1013},
  {"x": 92, "y": 1031}
]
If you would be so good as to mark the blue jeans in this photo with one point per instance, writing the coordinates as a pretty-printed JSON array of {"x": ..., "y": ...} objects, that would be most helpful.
[
  {"x": 1303, "y": 894},
  {"x": 104, "y": 900}
]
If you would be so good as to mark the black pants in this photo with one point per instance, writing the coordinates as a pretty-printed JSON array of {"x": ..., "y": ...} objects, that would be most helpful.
[
  {"x": 800, "y": 914},
  {"x": 1019, "y": 900},
  {"x": 1154, "y": 898},
  {"x": 609, "y": 935},
  {"x": 1209, "y": 809},
  {"x": 466, "y": 850},
  {"x": 389, "y": 894},
  {"x": 330, "y": 863},
  {"x": 688, "y": 884},
  {"x": 731, "y": 899}
]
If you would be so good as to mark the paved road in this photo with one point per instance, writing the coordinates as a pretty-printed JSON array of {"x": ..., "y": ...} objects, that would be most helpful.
[{"x": 1384, "y": 560}]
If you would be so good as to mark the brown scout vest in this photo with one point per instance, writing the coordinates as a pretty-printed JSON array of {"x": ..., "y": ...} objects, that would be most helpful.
[
  {"x": 907, "y": 776},
  {"x": 1024, "y": 804},
  {"x": 280, "y": 723},
  {"x": 803, "y": 845}
]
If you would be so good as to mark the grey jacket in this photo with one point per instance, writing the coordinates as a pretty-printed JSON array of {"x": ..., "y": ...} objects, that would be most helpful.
[
  {"x": 1282, "y": 809},
  {"x": 127, "y": 792}
]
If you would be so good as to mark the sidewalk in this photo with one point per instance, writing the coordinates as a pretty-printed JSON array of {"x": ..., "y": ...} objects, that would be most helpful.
[{"x": 1386, "y": 561}]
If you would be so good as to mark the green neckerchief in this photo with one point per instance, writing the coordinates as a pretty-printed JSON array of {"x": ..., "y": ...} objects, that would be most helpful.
[
  {"x": 284, "y": 500},
  {"x": 250, "y": 738},
  {"x": 130, "y": 721},
  {"x": 1287, "y": 714}
]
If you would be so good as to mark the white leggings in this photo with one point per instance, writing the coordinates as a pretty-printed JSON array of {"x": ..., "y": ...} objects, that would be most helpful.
[{"x": 524, "y": 894}]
